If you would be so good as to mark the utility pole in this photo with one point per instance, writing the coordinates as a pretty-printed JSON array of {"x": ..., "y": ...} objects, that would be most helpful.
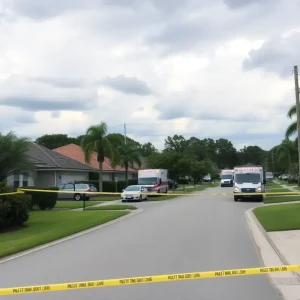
[
  {"x": 298, "y": 114},
  {"x": 125, "y": 139}
]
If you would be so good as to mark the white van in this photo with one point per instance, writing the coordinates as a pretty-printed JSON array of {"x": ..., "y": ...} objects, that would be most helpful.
[
  {"x": 249, "y": 180},
  {"x": 155, "y": 180},
  {"x": 227, "y": 178}
]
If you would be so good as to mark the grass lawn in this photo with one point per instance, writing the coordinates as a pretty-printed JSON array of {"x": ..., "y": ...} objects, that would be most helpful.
[
  {"x": 283, "y": 198},
  {"x": 46, "y": 226},
  {"x": 112, "y": 207},
  {"x": 75, "y": 204},
  {"x": 106, "y": 198},
  {"x": 279, "y": 217}
]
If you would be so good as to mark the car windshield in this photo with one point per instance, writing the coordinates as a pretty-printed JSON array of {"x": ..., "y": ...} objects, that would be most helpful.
[
  {"x": 226, "y": 176},
  {"x": 247, "y": 177},
  {"x": 149, "y": 180},
  {"x": 133, "y": 188}
]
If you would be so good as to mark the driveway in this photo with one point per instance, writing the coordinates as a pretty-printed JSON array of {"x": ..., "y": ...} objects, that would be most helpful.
[{"x": 182, "y": 235}]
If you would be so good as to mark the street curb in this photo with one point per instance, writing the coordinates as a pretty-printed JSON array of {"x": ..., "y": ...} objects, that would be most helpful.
[
  {"x": 70, "y": 237},
  {"x": 250, "y": 212}
]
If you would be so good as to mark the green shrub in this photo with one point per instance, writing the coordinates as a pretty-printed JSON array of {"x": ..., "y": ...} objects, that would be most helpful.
[
  {"x": 43, "y": 200},
  {"x": 182, "y": 181},
  {"x": 292, "y": 180},
  {"x": 13, "y": 208},
  {"x": 110, "y": 186}
]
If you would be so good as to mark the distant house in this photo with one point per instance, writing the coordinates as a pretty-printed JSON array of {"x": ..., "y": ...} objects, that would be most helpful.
[
  {"x": 51, "y": 169},
  {"x": 109, "y": 173}
]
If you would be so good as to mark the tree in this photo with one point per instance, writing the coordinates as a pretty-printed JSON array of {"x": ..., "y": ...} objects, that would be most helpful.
[
  {"x": 95, "y": 140},
  {"x": 287, "y": 154},
  {"x": 52, "y": 141},
  {"x": 199, "y": 169},
  {"x": 147, "y": 149},
  {"x": 14, "y": 155},
  {"x": 176, "y": 143},
  {"x": 226, "y": 154},
  {"x": 129, "y": 156},
  {"x": 166, "y": 160},
  {"x": 251, "y": 154},
  {"x": 292, "y": 128}
]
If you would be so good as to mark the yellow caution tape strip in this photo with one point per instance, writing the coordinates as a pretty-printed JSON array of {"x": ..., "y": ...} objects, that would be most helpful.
[
  {"x": 11, "y": 193},
  {"x": 164, "y": 194},
  {"x": 145, "y": 279}
]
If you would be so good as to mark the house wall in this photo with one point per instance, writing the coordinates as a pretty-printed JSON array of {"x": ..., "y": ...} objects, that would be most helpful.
[{"x": 19, "y": 180}]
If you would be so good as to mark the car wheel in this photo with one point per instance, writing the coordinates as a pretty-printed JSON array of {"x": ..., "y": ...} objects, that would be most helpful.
[
  {"x": 141, "y": 198},
  {"x": 77, "y": 197}
]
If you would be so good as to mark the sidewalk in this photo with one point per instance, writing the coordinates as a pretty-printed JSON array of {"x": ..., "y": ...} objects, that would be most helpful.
[{"x": 278, "y": 248}]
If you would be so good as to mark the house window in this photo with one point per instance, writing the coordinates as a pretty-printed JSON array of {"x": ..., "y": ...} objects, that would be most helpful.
[
  {"x": 25, "y": 179},
  {"x": 17, "y": 180}
]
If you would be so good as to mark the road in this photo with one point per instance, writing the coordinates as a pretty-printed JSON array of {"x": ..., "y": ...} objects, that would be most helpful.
[{"x": 186, "y": 234}]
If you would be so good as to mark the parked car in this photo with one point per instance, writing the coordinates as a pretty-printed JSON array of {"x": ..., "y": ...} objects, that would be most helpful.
[
  {"x": 134, "y": 192},
  {"x": 79, "y": 189},
  {"x": 207, "y": 178},
  {"x": 172, "y": 183},
  {"x": 269, "y": 176}
]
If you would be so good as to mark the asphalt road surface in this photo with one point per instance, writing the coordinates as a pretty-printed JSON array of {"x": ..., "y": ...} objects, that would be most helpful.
[{"x": 187, "y": 234}]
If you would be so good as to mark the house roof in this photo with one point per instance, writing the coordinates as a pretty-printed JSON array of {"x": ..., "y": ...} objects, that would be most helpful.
[
  {"x": 75, "y": 152},
  {"x": 44, "y": 158}
]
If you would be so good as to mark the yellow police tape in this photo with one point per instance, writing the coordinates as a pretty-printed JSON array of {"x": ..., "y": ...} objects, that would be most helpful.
[
  {"x": 11, "y": 193},
  {"x": 145, "y": 279},
  {"x": 164, "y": 194}
]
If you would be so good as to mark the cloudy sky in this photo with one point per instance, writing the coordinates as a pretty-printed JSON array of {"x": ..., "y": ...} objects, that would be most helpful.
[{"x": 203, "y": 68}]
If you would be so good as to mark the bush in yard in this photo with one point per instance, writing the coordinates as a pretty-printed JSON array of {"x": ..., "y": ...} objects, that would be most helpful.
[
  {"x": 293, "y": 180},
  {"x": 182, "y": 181},
  {"x": 44, "y": 200},
  {"x": 13, "y": 208}
]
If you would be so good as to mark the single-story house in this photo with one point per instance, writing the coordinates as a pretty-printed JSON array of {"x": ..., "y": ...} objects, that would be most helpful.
[
  {"x": 51, "y": 169},
  {"x": 109, "y": 173}
]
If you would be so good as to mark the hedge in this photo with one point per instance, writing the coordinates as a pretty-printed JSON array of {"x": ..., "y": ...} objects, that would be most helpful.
[
  {"x": 182, "y": 181},
  {"x": 110, "y": 186},
  {"x": 292, "y": 180},
  {"x": 43, "y": 200},
  {"x": 14, "y": 209}
]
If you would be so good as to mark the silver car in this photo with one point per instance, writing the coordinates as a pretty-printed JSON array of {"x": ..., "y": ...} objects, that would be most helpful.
[{"x": 79, "y": 189}]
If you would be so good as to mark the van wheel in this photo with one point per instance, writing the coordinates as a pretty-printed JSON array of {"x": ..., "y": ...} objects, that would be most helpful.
[
  {"x": 77, "y": 197},
  {"x": 235, "y": 198},
  {"x": 166, "y": 190}
]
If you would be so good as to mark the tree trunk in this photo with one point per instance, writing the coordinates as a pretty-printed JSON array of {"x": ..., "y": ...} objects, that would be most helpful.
[{"x": 100, "y": 176}]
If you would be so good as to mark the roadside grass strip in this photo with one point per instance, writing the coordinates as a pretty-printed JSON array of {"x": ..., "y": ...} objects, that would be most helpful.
[
  {"x": 47, "y": 226},
  {"x": 75, "y": 204},
  {"x": 279, "y": 217},
  {"x": 112, "y": 207},
  {"x": 280, "y": 199}
]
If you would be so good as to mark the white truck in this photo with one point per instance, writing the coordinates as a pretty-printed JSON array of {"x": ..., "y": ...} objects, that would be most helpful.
[
  {"x": 155, "y": 180},
  {"x": 227, "y": 178},
  {"x": 249, "y": 180}
]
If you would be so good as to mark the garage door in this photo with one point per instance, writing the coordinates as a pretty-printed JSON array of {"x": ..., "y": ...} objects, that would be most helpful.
[{"x": 71, "y": 177}]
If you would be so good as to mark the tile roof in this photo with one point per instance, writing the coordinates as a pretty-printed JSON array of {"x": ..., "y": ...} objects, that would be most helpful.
[
  {"x": 75, "y": 152},
  {"x": 44, "y": 158}
]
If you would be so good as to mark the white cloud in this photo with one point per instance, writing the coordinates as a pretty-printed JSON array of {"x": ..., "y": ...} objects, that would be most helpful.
[{"x": 162, "y": 67}]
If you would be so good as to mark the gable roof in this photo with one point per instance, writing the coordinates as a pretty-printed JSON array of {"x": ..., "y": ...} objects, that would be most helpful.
[
  {"x": 44, "y": 158},
  {"x": 75, "y": 152}
]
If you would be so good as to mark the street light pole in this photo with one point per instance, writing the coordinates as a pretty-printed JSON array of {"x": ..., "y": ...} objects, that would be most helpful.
[{"x": 298, "y": 114}]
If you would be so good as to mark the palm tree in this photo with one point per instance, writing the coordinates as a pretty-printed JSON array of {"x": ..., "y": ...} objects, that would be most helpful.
[
  {"x": 95, "y": 140},
  {"x": 129, "y": 156},
  {"x": 287, "y": 154},
  {"x": 14, "y": 155},
  {"x": 292, "y": 129}
]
